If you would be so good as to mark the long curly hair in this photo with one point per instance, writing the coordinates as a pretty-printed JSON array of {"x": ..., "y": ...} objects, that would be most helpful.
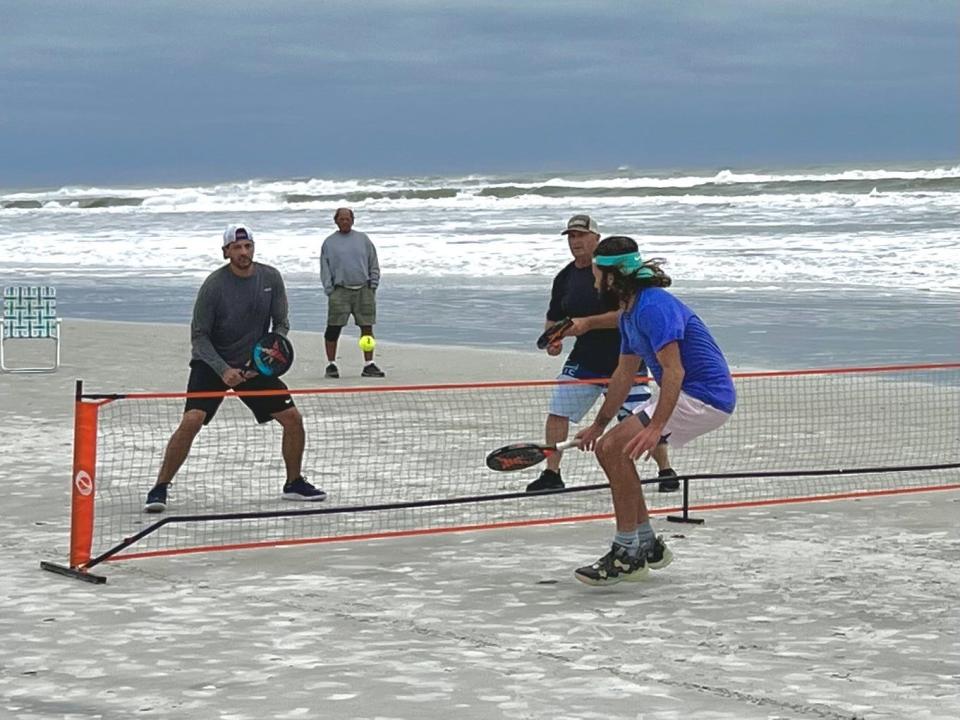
[{"x": 619, "y": 283}]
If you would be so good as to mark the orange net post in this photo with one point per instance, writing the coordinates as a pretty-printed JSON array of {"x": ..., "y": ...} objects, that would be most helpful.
[{"x": 84, "y": 479}]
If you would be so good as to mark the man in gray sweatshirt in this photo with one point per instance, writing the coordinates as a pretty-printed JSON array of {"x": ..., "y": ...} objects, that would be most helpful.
[
  {"x": 350, "y": 273},
  {"x": 234, "y": 308}
]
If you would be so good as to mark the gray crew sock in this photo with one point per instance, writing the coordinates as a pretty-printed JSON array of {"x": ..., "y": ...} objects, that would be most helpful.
[
  {"x": 629, "y": 541},
  {"x": 646, "y": 538}
]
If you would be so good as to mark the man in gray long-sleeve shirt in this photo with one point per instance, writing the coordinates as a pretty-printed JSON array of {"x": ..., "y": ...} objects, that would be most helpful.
[
  {"x": 350, "y": 273},
  {"x": 235, "y": 307}
]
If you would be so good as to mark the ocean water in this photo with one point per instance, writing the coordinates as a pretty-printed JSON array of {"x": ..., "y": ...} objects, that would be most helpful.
[{"x": 796, "y": 268}]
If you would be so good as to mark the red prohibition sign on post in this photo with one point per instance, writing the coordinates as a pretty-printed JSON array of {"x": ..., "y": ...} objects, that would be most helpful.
[{"x": 84, "y": 483}]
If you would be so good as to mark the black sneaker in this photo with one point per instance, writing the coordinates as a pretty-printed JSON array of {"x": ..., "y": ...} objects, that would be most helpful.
[
  {"x": 332, "y": 371},
  {"x": 668, "y": 481},
  {"x": 548, "y": 480},
  {"x": 372, "y": 370},
  {"x": 613, "y": 567},
  {"x": 300, "y": 489},
  {"x": 156, "y": 500},
  {"x": 659, "y": 556}
]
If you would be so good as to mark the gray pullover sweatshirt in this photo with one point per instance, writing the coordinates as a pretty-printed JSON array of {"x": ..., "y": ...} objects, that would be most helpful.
[{"x": 348, "y": 260}]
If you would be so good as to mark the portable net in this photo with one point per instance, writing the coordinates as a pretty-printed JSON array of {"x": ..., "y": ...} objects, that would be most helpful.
[{"x": 411, "y": 459}]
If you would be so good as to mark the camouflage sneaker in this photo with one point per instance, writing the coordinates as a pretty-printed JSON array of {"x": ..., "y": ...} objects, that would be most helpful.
[
  {"x": 659, "y": 556},
  {"x": 668, "y": 481},
  {"x": 613, "y": 567}
]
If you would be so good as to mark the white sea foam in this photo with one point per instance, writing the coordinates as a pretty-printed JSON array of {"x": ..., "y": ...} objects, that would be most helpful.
[
  {"x": 318, "y": 186},
  {"x": 878, "y": 228}
]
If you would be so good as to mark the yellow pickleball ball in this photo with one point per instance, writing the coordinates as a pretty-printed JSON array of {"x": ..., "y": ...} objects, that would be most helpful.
[{"x": 367, "y": 343}]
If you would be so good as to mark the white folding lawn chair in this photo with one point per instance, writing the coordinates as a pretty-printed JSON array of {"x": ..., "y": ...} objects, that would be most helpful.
[{"x": 29, "y": 313}]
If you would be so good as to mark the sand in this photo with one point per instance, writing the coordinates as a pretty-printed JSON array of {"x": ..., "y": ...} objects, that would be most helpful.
[{"x": 824, "y": 610}]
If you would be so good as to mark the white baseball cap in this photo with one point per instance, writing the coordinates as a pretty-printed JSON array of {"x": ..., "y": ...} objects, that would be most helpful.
[{"x": 233, "y": 233}]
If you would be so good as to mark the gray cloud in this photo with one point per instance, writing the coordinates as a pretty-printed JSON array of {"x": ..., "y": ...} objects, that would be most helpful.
[{"x": 141, "y": 90}]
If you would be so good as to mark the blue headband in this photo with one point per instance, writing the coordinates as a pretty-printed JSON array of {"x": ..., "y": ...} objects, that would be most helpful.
[{"x": 630, "y": 262}]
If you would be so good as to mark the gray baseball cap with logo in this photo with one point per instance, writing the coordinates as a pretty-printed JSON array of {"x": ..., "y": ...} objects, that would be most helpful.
[{"x": 581, "y": 223}]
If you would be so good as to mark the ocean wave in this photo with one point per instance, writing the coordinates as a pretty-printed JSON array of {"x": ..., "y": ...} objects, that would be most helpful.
[
  {"x": 358, "y": 196},
  {"x": 267, "y": 195},
  {"x": 727, "y": 189},
  {"x": 105, "y": 202}
]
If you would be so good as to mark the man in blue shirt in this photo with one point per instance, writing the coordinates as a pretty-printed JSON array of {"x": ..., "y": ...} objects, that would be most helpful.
[{"x": 696, "y": 396}]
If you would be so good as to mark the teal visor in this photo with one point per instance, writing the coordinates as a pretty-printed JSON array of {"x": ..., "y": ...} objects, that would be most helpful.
[{"x": 627, "y": 263}]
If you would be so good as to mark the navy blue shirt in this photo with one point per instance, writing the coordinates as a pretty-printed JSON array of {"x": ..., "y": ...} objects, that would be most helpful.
[
  {"x": 574, "y": 295},
  {"x": 656, "y": 319}
]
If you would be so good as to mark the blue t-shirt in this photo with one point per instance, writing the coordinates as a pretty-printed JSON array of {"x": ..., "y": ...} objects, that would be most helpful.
[{"x": 656, "y": 319}]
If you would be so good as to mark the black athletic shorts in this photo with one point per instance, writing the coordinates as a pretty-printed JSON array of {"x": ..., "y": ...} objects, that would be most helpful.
[{"x": 204, "y": 379}]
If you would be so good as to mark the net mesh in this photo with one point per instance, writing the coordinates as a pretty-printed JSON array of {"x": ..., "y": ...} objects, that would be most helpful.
[{"x": 371, "y": 446}]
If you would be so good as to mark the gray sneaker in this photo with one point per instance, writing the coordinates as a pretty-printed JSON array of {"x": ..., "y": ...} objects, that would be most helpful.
[
  {"x": 332, "y": 371},
  {"x": 372, "y": 370}
]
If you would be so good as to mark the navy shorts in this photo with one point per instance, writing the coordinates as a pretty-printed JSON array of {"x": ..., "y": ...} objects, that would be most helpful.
[{"x": 204, "y": 379}]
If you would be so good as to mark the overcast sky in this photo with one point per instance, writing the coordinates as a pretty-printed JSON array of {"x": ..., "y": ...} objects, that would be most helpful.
[{"x": 141, "y": 91}]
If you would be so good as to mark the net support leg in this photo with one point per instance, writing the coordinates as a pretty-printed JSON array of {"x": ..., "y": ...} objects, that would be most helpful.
[
  {"x": 685, "y": 518},
  {"x": 75, "y": 573}
]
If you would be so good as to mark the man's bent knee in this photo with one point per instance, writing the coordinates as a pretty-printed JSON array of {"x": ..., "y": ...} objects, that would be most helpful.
[
  {"x": 607, "y": 449},
  {"x": 289, "y": 418},
  {"x": 610, "y": 447}
]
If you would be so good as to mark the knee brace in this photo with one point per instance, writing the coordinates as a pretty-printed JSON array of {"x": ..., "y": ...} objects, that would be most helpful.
[{"x": 332, "y": 333}]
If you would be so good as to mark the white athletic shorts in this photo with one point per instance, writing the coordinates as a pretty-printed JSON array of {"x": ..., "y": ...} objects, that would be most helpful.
[{"x": 691, "y": 418}]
